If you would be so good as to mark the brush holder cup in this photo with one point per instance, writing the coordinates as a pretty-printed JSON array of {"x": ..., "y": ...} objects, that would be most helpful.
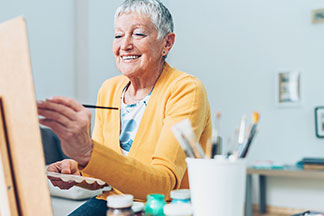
[{"x": 217, "y": 186}]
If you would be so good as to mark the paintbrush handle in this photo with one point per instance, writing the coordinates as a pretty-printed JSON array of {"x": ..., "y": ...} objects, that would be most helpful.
[
  {"x": 99, "y": 107},
  {"x": 248, "y": 143},
  {"x": 200, "y": 150}
]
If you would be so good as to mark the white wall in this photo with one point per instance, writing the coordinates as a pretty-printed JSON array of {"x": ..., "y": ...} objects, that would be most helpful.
[
  {"x": 101, "y": 61},
  {"x": 50, "y": 27},
  {"x": 235, "y": 47}
]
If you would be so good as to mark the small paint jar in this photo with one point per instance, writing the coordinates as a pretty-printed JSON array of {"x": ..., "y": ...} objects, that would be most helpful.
[
  {"x": 120, "y": 205},
  {"x": 180, "y": 196}
]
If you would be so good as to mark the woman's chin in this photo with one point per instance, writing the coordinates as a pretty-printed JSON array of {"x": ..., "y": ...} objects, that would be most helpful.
[
  {"x": 129, "y": 69},
  {"x": 129, "y": 73}
]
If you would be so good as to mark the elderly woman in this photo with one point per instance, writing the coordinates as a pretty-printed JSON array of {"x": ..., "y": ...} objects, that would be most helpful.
[{"x": 133, "y": 148}]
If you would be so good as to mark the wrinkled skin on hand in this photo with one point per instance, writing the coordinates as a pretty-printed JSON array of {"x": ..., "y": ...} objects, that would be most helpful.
[{"x": 71, "y": 122}]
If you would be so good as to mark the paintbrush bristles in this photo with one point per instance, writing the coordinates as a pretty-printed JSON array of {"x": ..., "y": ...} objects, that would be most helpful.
[
  {"x": 187, "y": 147},
  {"x": 256, "y": 117}
]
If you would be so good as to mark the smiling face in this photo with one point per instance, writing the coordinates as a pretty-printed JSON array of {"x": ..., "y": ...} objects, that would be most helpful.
[{"x": 136, "y": 47}]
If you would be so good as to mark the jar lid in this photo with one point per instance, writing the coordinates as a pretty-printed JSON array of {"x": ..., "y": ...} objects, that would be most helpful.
[
  {"x": 120, "y": 201},
  {"x": 180, "y": 194},
  {"x": 137, "y": 207},
  {"x": 178, "y": 209}
]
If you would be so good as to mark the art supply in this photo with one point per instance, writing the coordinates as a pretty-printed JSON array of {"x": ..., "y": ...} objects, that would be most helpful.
[
  {"x": 186, "y": 137},
  {"x": 309, "y": 213},
  {"x": 256, "y": 117},
  {"x": 180, "y": 196},
  {"x": 76, "y": 178},
  {"x": 216, "y": 138},
  {"x": 154, "y": 205},
  {"x": 198, "y": 150},
  {"x": 99, "y": 107},
  {"x": 217, "y": 146},
  {"x": 217, "y": 186},
  {"x": 241, "y": 138},
  {"x": 138, "y": 208},
  {"x": 182, "y": 140},
  {"x": 209, "y": 148},
  {"x": 120, "y": 205},
  {"x": 232, "y": 146},
  {"x": 178, "y": 209},
  {"x": 217, "y": 123}
]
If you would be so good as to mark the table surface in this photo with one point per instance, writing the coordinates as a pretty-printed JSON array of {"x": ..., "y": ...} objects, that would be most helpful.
[{"x": 289, "y": 171}]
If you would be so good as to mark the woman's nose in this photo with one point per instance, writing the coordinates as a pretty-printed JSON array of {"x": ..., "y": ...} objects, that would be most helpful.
[{"x": 127, "y": 43}]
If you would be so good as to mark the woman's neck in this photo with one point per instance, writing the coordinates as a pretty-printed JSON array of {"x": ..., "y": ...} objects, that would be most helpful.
[{"x": 140, "y": 87}]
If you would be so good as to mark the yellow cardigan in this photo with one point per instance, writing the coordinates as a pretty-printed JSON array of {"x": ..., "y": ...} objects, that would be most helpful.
[{"x": 156, "y": 162}]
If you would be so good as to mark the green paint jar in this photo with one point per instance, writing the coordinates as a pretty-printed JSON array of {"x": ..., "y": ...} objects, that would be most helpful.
[{"x": 154, "y": 205}]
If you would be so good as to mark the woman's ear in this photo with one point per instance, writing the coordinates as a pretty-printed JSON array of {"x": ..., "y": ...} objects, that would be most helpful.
[{"x": 169, "y": 41}]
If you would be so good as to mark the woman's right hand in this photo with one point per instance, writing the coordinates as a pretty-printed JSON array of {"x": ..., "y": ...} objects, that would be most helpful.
[{"x": 67, "y": 166}]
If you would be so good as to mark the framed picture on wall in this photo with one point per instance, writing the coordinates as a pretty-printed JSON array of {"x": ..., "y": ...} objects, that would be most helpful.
[
  {"x": 318, "y": 15},
  {"x": 288, "y": 88},
  {"x": 319, "y": 121}
]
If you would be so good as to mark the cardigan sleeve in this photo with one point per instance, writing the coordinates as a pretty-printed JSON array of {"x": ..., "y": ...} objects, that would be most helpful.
[
  {"x": 97, "y": 128},
  {"x": 186, "y": 98}
]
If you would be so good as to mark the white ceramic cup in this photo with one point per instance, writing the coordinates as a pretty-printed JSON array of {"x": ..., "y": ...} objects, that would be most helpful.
[{"x": 217, "y": 186}]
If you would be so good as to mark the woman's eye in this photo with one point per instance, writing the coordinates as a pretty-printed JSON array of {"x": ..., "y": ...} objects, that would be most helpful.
[
  {"x": 140, "y": 34},
  {"x": 117, "y": 36}
]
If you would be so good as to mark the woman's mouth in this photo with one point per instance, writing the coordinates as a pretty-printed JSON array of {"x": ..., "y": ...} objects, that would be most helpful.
[{"x": 130, "y": 57}]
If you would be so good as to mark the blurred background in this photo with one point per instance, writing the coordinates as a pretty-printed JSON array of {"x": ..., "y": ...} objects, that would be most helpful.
[{"x": 236, "y": 48}]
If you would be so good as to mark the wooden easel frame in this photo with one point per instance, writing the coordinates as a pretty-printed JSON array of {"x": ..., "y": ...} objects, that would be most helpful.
[
  {"x": 21, "y": 156},
  {"x": 10, "y": 206}
]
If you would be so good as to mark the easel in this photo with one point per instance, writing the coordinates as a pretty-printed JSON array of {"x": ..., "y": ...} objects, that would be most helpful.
[
  {"x": 10, "y": 205},
  {"x": 23, "y": 183}
]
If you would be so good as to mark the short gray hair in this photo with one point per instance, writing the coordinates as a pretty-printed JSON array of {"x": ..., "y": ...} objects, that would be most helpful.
[{"x": 160, "y": 15}]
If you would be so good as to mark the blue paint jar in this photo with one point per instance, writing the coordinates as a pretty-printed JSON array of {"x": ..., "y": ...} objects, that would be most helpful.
[{"x": 180, "y": 196}]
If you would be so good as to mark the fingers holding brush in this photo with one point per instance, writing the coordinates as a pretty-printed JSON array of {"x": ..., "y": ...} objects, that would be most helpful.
[
  {"x": 64, "y": 106},
  {"x": 71, "y": 122},
  {"x": 65, "y": 111}
]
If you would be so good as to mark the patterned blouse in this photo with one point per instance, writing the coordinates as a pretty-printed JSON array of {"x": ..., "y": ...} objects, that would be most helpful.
[{"x": 130, "y": 115}]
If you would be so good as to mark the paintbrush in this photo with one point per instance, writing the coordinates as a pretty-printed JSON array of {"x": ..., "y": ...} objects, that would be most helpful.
[
  {"x": 216, "y": 147},
  {"x": 241, "y": 137},
  {"x": 99, "y": 107},
  {"x": 185, "y": 135},
  {"x": 177, "y": 130},
  {"x": 209, "y": 147},
  {"x": 256, "y": 118},
  {"x": 190, "y": 152}
]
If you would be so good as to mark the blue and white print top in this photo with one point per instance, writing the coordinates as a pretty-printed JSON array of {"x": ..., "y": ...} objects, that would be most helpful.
[{"x": 130, "y": 116}]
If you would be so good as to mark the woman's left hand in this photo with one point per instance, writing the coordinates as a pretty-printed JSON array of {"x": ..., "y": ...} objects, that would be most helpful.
[{"x": 71, "y": 122}]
